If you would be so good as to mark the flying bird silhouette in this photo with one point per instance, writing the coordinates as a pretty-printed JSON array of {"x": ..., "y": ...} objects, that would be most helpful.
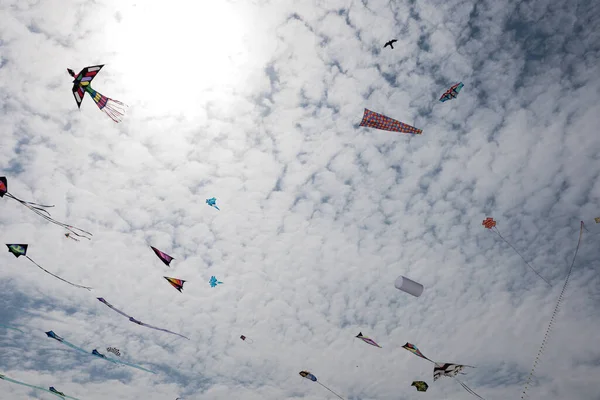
[{"x": 390, "y": 43}]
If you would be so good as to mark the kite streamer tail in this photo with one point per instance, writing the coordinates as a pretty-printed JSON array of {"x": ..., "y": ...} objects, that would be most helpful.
[
  {"x": 39, "y": 210},
  {"x": 330, "y": 390},
  {"x": 523, "y": 258},
  {"x": 56, "y": 276},
  {"x": 556, "y": 309},
  {"x": 468, "y": 389},
  {"x": 111, "y": 107},
  {"x": 10, "y": 327},
  {"x": 131, "y": 365}
]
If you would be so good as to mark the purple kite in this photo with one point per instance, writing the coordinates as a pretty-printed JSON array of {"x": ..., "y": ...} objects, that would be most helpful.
[
  {"x": 367, "y": 340},
  {"x": 164, "y": 257}
]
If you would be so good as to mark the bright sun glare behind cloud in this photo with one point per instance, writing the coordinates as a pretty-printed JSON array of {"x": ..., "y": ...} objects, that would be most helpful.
[{"x": 181, "y": 56}]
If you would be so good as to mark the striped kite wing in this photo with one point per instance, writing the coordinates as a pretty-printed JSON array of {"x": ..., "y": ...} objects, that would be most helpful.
[{"x": 83, "y": 79}]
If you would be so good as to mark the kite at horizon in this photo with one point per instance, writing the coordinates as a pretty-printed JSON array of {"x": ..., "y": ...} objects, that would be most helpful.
[
  {"x": 367, "y": 340},
  {"x": 82, "y": 85},
  {"x": 311, "y": 377},
  {"x": 55, "y": 392},
  {"x": 176, "y": 283},
  {"x": 94, "y": 352},
  {"x": 164, "y": 257},
  {"x": 489, "y": 223},
  {"x": 375, "y": 120},
  {"x": 21, "y": 250},
  {"x": 39, "y": 209},
  {"x": 135, "y": 321},
  {"x": 452, "y": 93},
  {"x": 214, "y": 282},
  {"x": 213, "y": 203}
]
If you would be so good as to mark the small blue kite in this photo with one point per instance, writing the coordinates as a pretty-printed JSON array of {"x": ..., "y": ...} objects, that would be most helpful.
[
  {"x": 213, "y": 203},
  {"x": 213, "y": 281}
]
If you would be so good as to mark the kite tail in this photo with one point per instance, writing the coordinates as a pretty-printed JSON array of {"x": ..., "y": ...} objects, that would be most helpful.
[
  {"x": 111, "y": 107},
  {"x": 523, "y": 258},
  {"x": 468, "y": 389},
  {"x": 35, "y": 387},
  {"x": 56, "y": 276},
  {"x": 556, "y": 309},
  {"x": 330, "y": 390},
  {"x": 37, "y": 208},
  {"x": 131, "y": 365}
]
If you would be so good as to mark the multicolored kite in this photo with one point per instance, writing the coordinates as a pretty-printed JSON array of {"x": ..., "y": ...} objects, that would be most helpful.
[
  {"x": 420, "y": 385},
  {"x": 597, "y": 220},
  {"x": 176, "y": 283},
  {"x": 135, "y": 321},
  {"x": 379, "y": 121},
  {"x": 214, "y": 282},
  {"x": 39, "y": 209},
  {"x": 213, "y": 203},
  {"x": 164, "y": 257},
  {"x": 452, "y": 370},
  {"x": 52, "y": 390},
  {"x": 94, "y": 352},
  {"x": 413, "y": 349},
  {"x": 451, "y": 93},
  {"x": 367, "y": 340},
  {"x": 309, "y": 376},
  {"x": 82, "y": 85},
  {"x": 21, "y": 250},
  {"x": 442, "y": 369},
  {"x": 489, "y": 223}
]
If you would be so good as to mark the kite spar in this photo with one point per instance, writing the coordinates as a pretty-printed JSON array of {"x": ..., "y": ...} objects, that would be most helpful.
[{"x": 39, "y": 209}]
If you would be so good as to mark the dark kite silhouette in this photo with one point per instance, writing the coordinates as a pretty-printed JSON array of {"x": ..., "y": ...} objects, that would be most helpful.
[{"x": 390, "y": 43}]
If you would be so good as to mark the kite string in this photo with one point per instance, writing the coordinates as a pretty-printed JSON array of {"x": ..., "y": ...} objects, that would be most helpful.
[
  {"x": 556, "y": 309},
  {"x": 330, "y": 390},
  {"x": 56, "y": 276},
  {"x": 468, "y": 389},
  {"x": 39, "y": 211},
  {"x": 523, "y": 258}
]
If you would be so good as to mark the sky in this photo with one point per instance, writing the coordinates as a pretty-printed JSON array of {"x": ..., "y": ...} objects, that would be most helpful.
[{"x": 258, "y": 103}]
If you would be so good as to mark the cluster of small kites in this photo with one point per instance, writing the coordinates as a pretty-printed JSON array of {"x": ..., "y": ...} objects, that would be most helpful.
[{"x": 115, "y": 110}]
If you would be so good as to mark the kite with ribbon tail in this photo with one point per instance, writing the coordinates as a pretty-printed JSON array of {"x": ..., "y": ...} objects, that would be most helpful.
[
  {"x": 82, "y": 85},
  {"x": 21, "y": 250},
  {"x": 94, "y": 352},
  {"x": 556, "y": 309},
  {"x": 51, "y": 390},
  {"x": 40, "y": 210},
  {"x": 489, "y": 223},
  {"x": 309, "y": 376},
  {"x": 440, "y": 370}
]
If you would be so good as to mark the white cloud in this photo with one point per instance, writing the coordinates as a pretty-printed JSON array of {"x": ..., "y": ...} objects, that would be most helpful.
[{"x": 257, "y": 104}]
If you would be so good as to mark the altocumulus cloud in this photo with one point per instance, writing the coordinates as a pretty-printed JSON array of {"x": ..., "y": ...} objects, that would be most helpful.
[{"x": 258, "y": 103}]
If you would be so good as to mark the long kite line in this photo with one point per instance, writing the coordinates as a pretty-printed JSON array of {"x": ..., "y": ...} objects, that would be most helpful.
[
  {"x": 139, "y": 322},
  {"x": 94, "y": 352},
  {"x": 556, "y": 309},
  {"x": 64, "y": 396}
]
